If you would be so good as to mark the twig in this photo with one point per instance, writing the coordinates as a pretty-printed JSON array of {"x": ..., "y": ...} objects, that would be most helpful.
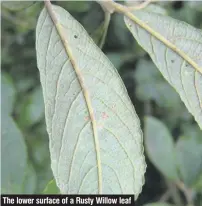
[
  {"x": 188, "y": 193},
  {"x": 140, "y": 6},
  {"x": 106, "y": 6},
  {"x": 106, "y": 25},
  {"x": 165, "y": 196},
  {"x": 174, "y": 193}
]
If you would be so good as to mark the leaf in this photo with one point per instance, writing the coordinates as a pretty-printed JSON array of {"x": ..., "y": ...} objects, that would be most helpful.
[
  {"x": 186, "y": 14},
  {"x": 30, "y": 181},
  {"x": 51, "y": 188},
  {"x": 151, "y": 86},
  {"x": 8, "y": 94},
  {"x": 14, "y": 157},
  {"x": 95, "y": 136},
  {"x": 198, "y": 185},
  {"x": 76, "y": 6},
  {"x": 16, "y": 6},
  {"x": 31, "y": 109},
  {"x": 116, "y": 59},
  {"x": 119, "y": 58},
  {"x": 121, "y": 37},
  {"x": 35, "y": 109},
  {"x": 160, "y": 147},
  {"x": 191, "y": 130},
  {"x": 176, "y": 49},
  {"x": 189, "y": 153},
  {"x": 195, "y": 5}
]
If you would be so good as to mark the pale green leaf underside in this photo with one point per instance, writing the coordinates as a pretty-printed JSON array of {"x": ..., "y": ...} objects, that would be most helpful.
[
  {"x": 185, "y": 77},
  {"x": 72, "y": 141}
]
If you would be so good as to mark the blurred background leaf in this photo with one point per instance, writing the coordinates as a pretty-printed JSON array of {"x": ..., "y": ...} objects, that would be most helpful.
[
  {"x": 8, "y": 93},
  {"x": 16, "y": 5},
  {"x": 160, "y": 148},
  {"x": 14, "y": 152},
  {"x": 51, "y": 188},
  {"x": 189, "y": 158},
  {"x": 30, "y": 180},
  {"x": 31, "y": 110}
]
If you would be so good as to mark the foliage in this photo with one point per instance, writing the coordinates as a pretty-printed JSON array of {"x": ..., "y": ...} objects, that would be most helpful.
[{"x": 176, "y": 139}]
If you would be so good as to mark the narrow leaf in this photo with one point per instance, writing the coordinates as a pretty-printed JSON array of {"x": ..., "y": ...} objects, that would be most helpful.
[
  {"x": 189, "y": 153},
  {"x": 176, "y": 49},
  {"x": 95, "y": 136},
  {"x": 160, "y": 147}
]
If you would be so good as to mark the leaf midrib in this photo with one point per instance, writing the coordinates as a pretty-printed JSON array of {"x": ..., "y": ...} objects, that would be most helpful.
[
  {"x": 163, "y": 40},
  {"x": 83, "y": 88},
  {"x": 124, "y": 10}
]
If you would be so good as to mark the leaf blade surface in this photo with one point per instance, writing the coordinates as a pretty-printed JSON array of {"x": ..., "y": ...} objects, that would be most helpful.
[
  {"x": 95, "y": 136},
  {"x": 176, "y": 49},
  {"x": 14, "y": 152},
  {"x": 160, "y": 147}
]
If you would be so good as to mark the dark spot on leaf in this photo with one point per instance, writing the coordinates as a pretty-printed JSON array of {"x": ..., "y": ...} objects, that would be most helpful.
[{"x": 75, "y": 36}]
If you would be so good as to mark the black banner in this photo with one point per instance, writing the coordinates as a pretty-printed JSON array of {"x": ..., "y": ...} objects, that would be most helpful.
[{"x": 104, "y": 200}]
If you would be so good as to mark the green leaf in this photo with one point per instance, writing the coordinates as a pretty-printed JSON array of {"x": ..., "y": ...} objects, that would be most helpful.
[
  {"x": 160, "y": 147},
  {"x": 95, "y": 136},
  {"x": 51, "y": 188},
  {"x": 31, "y": 109},
  {"x": 116, "y": 59},
  {"x": 16, "y": 5},
  {"x": 189, "y": 153},
  {"x": 152, "y": 86},
  {"x": 36, "y": 107},
  {"x": 30, "y": 181},
  {"x": 176, "y": 49},
  {"x": 8, "y": 94},
  {"x": 195, "y": 5},
  {"x": 119, "y": 58},
  {"x": 158, "y": 204},
  {"x": 14, "y": 157},
  {"x": 44, "y": 174},
  {"x": 76, "y": 6},
  {"x": 198, "y": 184},
  {"x": 121, "y": 36},
  {"x": 191, "y": 130}
]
